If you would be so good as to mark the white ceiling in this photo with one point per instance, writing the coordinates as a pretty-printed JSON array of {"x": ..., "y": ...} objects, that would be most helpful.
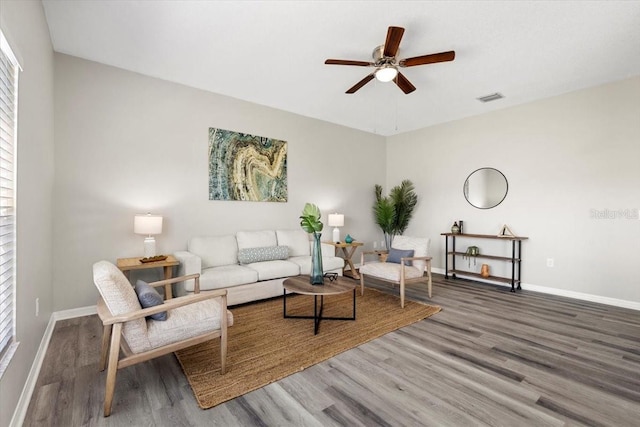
[{"x": 272, "y": 52}]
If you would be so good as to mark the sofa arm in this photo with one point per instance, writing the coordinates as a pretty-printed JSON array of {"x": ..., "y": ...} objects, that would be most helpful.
[
  {"x": 189, "y": 264},
  {"x": 326, "y": 249}
]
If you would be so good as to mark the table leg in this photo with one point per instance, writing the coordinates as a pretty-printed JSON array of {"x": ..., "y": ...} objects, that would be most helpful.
[
  {"x": 348, "y": 255},
  {"x": 167, "y": 288},
  {"x": 284, "y": 304}
]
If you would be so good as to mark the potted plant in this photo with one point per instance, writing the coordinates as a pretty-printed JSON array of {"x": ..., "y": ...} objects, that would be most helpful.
[
  {"x": 392, "y": 213},
  {"x": 310, "y": 222}
]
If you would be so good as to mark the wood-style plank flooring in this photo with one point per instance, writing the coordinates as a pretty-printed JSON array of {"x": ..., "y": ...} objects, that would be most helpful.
[{"x": 489, "y": 358}]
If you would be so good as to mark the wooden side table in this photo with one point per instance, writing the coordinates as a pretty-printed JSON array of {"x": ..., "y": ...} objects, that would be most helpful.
[
  {"x": 348, "y": 249},
  {"x": 128, "y": 264}
]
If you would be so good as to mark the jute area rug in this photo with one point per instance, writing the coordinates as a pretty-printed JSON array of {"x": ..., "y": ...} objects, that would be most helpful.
[{"x": 263, "y": 347}]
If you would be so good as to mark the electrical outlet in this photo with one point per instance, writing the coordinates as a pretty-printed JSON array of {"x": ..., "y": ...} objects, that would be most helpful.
[
  {"x": 549, "y": 262},
  {"x": 375, "y": 245},
  {"x": 37, "y": 307},
  {"x": 382, "y": 243}
]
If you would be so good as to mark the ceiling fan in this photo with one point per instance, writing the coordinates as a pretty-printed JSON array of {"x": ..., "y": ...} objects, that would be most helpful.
[{"x": 386, "y": 63}]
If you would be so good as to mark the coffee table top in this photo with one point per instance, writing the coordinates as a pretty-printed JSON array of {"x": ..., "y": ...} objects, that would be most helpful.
[{"x": 301, "y": 285}]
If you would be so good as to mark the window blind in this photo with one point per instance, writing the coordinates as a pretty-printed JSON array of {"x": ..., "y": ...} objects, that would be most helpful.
[{"x": 8, "y": 127}]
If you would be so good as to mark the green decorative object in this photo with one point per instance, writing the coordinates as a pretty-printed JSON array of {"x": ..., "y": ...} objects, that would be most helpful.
[
  {"x": 472, "y": 251},
  {"x": 348, "y": 239},
  {"x": 455, "y": 229},
  {"x": 310, "y": 222},
  {"x": 393, "y": 212}
]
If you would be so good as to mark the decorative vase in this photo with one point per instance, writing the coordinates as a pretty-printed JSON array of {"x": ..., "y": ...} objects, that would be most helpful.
[
  {"x": 316, "y": 276},
  {"x": 348, "y": 239},
  {"x": 484, "y": 270},
  {"x": 455, "y": 229}
]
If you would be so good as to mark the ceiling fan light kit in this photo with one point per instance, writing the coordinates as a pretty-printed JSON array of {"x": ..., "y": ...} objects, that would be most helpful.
[
  {"x": 386, "y": 62},
  {"x": 386, "y": 73}
]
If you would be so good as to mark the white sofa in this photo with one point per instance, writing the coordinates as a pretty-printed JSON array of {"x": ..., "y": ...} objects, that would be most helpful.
[{"x": 251, "y": 265}]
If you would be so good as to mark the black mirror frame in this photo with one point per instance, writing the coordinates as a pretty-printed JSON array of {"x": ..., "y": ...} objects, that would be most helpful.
[{"x": 465, "y": 191}]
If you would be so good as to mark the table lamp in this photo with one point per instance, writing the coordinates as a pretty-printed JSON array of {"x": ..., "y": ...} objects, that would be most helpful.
[
  {"x": 336, "y": 220},
  {"x": 148, "y": 225}
]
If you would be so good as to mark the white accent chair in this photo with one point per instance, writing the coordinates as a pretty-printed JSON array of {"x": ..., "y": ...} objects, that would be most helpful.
[
  {"x": 190, "y": 320},
  {"x": 400, "y": 273}
]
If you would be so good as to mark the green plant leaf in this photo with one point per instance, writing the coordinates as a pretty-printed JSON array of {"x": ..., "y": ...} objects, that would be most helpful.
[
  {"x": 394, "y": 212},
  {"x": 310, "y": 219}
]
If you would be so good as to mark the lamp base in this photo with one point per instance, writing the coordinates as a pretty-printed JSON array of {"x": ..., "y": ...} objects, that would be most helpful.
[
  {"x": 149, "y": 246},
  {"x": 336, "y": 234}
]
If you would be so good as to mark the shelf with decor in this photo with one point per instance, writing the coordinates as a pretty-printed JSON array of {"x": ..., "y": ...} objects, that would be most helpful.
[{"x": 515, "y": 259}]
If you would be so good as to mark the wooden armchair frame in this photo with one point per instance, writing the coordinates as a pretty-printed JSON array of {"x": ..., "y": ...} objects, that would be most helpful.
[
  {"x": 112, "y": 340},
  {"x": 403, "y": 281}
]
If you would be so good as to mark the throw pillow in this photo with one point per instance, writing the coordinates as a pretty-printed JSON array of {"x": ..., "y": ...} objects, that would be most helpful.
[
  {"x": 396, "y": 254},
  {"x": 266, "y": 253},
  {"x": 149, "y": 297}
]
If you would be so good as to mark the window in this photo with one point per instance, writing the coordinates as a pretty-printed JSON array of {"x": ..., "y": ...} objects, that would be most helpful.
[{"x": 8, "y": 128}]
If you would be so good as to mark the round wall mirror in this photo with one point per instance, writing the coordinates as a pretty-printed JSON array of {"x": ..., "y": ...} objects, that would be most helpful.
[{"x": 485, "y": 188}]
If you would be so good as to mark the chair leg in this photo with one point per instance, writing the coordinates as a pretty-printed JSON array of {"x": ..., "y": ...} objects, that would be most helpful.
[
  {"x": 361, "y": 284},
  {"x": 106, "y": 337},
  {"x": 429, "y": 277},
  {"x": 112, "y": 369},
  {"x": 223, "y": 352},
  {"x": 223, "y": 335},
  {"x": 402, "y": 285}
]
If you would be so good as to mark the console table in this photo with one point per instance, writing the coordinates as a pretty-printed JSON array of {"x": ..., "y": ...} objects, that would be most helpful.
[{"x": 515, "y": 258}]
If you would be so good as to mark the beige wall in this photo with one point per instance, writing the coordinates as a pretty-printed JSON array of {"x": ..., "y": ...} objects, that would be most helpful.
[
  {"x": 24, "y": 25},
  {"x": 127, "y": 143},
  {"x": 562, "y": 157}
]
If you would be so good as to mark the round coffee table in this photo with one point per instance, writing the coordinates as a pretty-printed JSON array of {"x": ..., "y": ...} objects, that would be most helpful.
[{"x": 302, "y": 285}]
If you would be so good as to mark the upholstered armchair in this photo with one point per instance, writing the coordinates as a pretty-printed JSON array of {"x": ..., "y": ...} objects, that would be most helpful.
[
  {"x": 189, "y": 320},
  {"x": 407, "y": 261}
]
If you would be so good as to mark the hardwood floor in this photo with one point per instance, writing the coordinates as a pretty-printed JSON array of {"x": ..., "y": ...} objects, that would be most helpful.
[{"x": 489, "y": 357}]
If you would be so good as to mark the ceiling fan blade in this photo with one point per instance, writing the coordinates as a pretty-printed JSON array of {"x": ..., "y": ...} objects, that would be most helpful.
[
  {"x": 404, "y": 84},
  {"x": 391, "y": 45},
  {"x": 348, "y": 62},
  {"x": 361, "y": 83},
  {"x": 428, "y": 59}
]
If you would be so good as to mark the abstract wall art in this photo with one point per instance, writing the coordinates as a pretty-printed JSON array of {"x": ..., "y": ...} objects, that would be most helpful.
[{"x": 246, "y": 167}]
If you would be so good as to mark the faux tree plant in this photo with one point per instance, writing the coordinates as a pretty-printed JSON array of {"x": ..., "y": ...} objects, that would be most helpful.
[
  {"x": 310, "y": 222},
  {"x": 392, "y": 213}
]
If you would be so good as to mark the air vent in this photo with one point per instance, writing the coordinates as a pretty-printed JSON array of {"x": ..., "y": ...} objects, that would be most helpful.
[{"x": 489, "y": 98}]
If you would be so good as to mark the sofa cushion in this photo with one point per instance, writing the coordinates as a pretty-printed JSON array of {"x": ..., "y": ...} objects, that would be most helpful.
[
  {"x": 395, "y": 255},
  {"x": 149, "y": 297},
  {"x": 224, "y": 277},
  {"x": 419, "y": 245},
  {"x": 296, "y": 240},
  {"x": 328, "y": 263},
  {"x": 215, "y": 251},
  {"x": 265, "y": 253},
  {"x": 256, "y": 239},
  {"x": 275, "y": 269}
]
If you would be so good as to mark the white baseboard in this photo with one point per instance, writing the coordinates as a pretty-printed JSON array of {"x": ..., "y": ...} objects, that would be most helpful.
[
  {"x": 30, "y": 385},
  {"x": 559, "y": 292}
]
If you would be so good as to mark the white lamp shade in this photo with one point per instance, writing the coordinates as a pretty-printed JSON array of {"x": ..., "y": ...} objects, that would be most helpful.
[
  {"x": 386, "y": 74},
  {"x": 147, "y": 224},
  {"x": 336, "y": 220}
]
